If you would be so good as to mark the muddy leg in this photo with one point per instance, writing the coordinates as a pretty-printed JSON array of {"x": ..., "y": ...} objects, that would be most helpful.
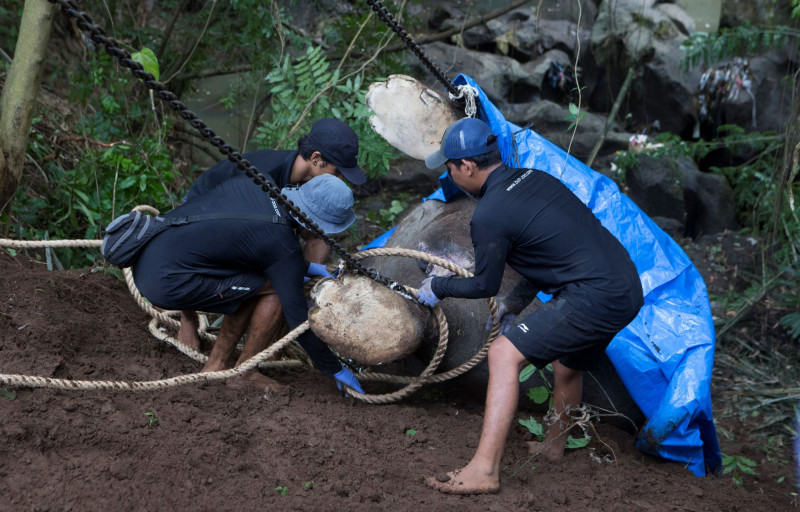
[
  {"x": 187, "y": 333},
  {"x": 233, "y": 326},
  {"x": 264, "y": 324},
  {"x": 482, "y": 474},
  {"x": 566, "y": 393}
]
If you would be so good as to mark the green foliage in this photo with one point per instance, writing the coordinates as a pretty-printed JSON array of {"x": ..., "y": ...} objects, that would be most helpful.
[
  {"x": 7, "y": 394},
  {"x": 575, "y": 116},
  {"x": 305, "y": 89},
  {"x": 11, "y": 14},
  {"x": 282, "y": 489},
  {"x": 537, "y": 430},
  {"x": 539, "y": 394},
  {"x": 152, "y": 419},
  {"x": 411, "y": 432},
  {"x": 705, "y": 49},
  {"x": 124, "y": 164},
  {"x": 385, "y": 217},
  {"x": 148, "y": 60},
  {"x": 791, "y": 322},
  {"x": 738, "y": 465},
  {"x": 534, "y": 427}
]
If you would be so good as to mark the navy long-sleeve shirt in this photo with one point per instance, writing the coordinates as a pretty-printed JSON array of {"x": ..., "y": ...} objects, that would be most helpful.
[
  {"x": 171, "y": 268},
  {"x": 533, "y": 222}
]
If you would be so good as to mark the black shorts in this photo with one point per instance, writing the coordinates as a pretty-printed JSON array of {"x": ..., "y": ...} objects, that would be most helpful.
[
  {"x": 559, "y": 331},
  {"x": 211, "y": 294}
]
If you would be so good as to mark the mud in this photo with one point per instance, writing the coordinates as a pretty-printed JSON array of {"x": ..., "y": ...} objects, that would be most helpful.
[{"x": 208, "y": 447}]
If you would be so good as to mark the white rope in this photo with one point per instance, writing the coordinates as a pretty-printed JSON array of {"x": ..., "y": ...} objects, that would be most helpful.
[{"x": 469, "y": 94}]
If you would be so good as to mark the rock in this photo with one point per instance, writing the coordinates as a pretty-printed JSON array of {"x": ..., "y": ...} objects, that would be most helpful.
[
  {"x": 676, "y": 189},
  {"x": 365, "y": 321}
]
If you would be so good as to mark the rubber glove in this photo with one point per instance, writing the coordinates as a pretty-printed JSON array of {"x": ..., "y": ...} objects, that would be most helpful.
[
  {"x": 318, "y": 269},
  {"x": 346, "y": 378},
  {"x": 425, "y": 294},
  {"x": 505, "y": 319}
]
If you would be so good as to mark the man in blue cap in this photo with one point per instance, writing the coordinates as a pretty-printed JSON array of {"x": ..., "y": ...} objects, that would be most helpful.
[
  {"x": 531, "y": 221},
  {"x": 330, "y": 147}
]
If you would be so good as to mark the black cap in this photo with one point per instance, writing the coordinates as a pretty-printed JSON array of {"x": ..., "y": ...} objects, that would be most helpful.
[{"x": 338, "y": 144}]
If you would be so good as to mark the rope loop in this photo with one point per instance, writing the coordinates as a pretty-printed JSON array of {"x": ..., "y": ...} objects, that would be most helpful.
[{"x": 261, "y": 359}]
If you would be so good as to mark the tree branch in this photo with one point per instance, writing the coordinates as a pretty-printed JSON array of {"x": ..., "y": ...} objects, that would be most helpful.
[{"x": 430, "y": 38}]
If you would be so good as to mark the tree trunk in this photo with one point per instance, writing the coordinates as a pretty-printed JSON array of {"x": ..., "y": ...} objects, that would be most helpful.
[{"x": 19, "y": 93}]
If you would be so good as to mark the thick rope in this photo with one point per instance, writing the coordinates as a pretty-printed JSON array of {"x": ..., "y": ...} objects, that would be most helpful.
[{"x": 260, "y": 359}]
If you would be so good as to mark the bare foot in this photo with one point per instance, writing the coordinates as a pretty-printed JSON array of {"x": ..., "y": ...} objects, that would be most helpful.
[
  {"x": 187, "y": 333},
  {"x": 552, "y": 451},
  {"x": 465, "y": 481},
  {"x": 254, "y": 379},
  {"x": 213, "y": 365}
]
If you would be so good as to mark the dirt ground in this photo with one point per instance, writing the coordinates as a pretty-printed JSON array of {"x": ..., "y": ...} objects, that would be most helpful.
[{"x": 207, "y": 447}]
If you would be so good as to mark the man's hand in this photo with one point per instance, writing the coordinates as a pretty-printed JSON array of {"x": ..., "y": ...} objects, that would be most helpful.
[
  {"x": 505, "y": 319},
  {"x": 425, "y": 294},
  {"x": 346, "y": 378},
  {"x": 317, "y": 269}
]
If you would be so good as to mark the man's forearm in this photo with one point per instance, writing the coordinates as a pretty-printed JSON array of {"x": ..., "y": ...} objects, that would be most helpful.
[{"x": 316, "y": 250}]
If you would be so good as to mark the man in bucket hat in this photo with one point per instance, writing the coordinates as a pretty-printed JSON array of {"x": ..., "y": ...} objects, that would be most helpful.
[
  {"x": 330, "y": 147},
  {"x": 531, "y": 221},
  {"x": 244, "y": 247}
]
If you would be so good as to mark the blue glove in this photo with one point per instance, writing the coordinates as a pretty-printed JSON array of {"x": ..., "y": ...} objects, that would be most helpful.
[
  {"x": 317, "y": 269},
  {"x": 425, "y": 294},
  {"x": 346, "y": 378},
  {"x": 505, "y": 318}
]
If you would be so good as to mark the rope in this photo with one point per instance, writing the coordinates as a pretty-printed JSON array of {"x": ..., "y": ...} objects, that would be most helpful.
[
  {"x": 468, "y": 94},
  {"x": 261, "y": 359}
]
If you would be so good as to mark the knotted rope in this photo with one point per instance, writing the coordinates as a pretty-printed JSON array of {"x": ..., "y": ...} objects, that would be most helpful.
[{"x": 412, "y": 383}]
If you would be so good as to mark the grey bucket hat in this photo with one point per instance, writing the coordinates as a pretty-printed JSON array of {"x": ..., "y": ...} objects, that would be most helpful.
[{"x": 326, "y": 200}]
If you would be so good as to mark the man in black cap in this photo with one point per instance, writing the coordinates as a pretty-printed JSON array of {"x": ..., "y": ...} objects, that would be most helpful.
[
  {"x": 234, "y": 260},
  {"x": 331, "y": 147},
  {"x": 531, "y": 221}
]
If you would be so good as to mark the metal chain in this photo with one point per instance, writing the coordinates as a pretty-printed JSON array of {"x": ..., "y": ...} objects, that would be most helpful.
[
  {"x": 96, "y": 33},
  {"x": 386, "y": 17}
]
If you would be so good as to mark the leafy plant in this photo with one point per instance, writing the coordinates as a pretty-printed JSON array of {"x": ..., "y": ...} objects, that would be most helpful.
[
  {"x": 152, "y": 419},
  {"x": 539, "y": 394},
  {"x": 575, "y": 116},
  {"x": 282, "y": 489},
  {"x": 738, "y": 465},
  {"x": 411, "y": 432},
  {"x": 704, "y": 48},
  {"x": 305, "y": 89},
  {"x": 7, "y": 394}
]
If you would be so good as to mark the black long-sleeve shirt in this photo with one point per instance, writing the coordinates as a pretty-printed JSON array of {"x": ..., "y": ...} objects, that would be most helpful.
[
  {"x": 276, "y": 164},
  {"x": 169, "y": 266},
  {"x": 533, "y": 222}
]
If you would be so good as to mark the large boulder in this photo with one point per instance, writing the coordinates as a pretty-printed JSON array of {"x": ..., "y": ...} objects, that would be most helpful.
[
  {"x": 676, "y": 189},
  {"x": 636, "y": 34}
]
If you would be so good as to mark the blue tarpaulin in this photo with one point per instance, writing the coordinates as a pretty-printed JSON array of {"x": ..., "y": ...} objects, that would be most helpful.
[{"x": 665, "y": 356}]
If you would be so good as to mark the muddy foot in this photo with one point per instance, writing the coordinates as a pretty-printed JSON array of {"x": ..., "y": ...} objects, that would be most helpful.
[
  {"x": 187, "y": 333},
  {"x": 464, "y": 482},
  {"x": 550, "y": 450},
  {"x": 254, "y": 379}
]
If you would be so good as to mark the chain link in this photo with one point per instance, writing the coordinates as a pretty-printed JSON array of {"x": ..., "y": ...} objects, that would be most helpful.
[
  {"x": 111, "y": 46},
  {"x": 386, "y": 17}
]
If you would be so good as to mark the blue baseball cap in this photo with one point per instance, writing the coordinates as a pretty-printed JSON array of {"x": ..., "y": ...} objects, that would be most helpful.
[
  {"x": 326, "y": 200},
  {"x": 464, "y": 138}
]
